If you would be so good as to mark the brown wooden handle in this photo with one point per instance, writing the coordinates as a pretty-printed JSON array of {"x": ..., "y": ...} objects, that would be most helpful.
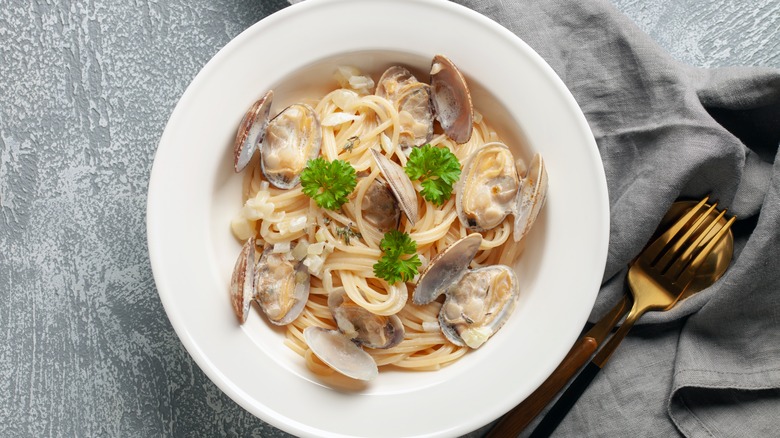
[{"x": 518, "y": 418}]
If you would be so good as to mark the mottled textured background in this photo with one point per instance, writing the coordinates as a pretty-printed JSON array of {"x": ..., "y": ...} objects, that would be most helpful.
[{"x": 86, "y": 88}]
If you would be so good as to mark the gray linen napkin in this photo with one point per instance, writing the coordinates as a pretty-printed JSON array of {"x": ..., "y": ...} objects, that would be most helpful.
[{"x": 711, "y": 366}]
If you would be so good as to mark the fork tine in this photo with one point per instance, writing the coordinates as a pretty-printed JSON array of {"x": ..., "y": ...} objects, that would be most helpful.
[
  {"x": 687, "y": 275},
  {"x": 655, "y": 249},
  {"x": 665, "y": 261},
  {"x": 684, "y": 256}
]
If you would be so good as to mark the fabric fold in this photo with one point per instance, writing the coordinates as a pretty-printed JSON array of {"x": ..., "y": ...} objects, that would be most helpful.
[
  {"x": 727, "y": 370},
  {"x": 666, "y": 131}
]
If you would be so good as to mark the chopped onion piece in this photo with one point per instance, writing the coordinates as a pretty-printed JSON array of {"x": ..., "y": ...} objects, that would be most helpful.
[
  {"x": 350, "y": 77},
  {"x": 242, "y": 227},
  {"x": 475, "y": 337},
  {"x": 301, "y": 250},
  {"x": 314, "y": 263},
  {"x": 321, "y": 235},
  {"x": 259, "y": 208},
  {"x": 298, "y": 223},
  {"x": 281, "y": 247},
  {"x": 316, "y": 248},
  {"x": 344, "y": 99},
  {"x": 477, "y": 117},
  {"x": 361, "y": 84}
]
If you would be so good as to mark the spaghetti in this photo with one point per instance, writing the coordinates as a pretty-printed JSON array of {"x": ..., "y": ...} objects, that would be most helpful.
[{"x": 340, "y": 247}]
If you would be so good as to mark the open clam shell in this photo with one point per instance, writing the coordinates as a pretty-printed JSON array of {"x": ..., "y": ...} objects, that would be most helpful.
[
  {"x": 451, "y": 99},
  {"x": 445, "y": 269},
  {"x": 251, "y": 131},
  {"x": 380, "y": 207},
  {"x": 292, "y": 138},
  {"x": 416, "y": 114},
  {"x": 392, "y": 81},
  {"x": 478, "y": 302},
  {"x": 478, "y": 305},
  {"x": 400, "y": 185},
  {"x": 242, "y": 282},
  {"x": 412, "y": 99},
  {"x": 487, "y": 190},
  {"x": 281, "y": 287},
  {"x": 340, "y": 353},
  {"x": 530, "y": 198},
  {"x": 362, "y": 326}
]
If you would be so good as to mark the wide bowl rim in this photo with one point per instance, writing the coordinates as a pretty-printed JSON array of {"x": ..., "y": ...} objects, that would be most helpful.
[{"x": 155, "y": 208}]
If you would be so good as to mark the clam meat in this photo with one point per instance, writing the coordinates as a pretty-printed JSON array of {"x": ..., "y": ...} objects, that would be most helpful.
[
  {"x": 292, "y": 138},
  {"x": 400, "y": 184},
  {"x": 281, "y": 287},
  {"x": 362, "y": 326},
  {"x": 380, "y": 207},
  {"x": 478, "y": 302},
  {"x": 478, "y": 305},
  {"x": 341, "y": 349},
  {"x": 412, "y": 99},
  {"x": 491, "y": 188},
  {"x": 488, "y": 187}
]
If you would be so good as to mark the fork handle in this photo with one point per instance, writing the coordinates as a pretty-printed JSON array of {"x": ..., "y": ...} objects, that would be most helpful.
[
  {"x": 518, "y": 418},
  {"x": 558, "y": 412}
]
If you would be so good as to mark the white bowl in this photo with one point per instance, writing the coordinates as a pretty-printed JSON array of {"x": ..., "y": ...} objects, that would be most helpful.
[{"x": 193, "y": 194}]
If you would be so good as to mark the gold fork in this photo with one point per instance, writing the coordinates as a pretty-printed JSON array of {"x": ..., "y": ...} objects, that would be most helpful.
[{"x": 657, "y": 279}]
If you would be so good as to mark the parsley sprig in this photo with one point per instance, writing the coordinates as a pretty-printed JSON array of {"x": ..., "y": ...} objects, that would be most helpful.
[
  {"x": 329, "y": 183},
  {"x": 395, "y": 264},
  {"x": 437, "y": 169}
]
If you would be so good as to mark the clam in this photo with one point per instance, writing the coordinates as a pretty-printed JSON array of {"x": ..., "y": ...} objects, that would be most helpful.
[
  {"x": 531, "y": 197},
  {"x": 392, "y": 81},
  {"x": 292, "y": 138},
  {"x": 400, "y": 184},
  {"x": 445, "y": 268},
  {"x": 362, "y": 326},
  {"x": 242, "y": 283},
  {"x": 416, "y": 115},
  {"x": 490, "y": 189},
  {"x": 340, "y": 353},
  {"x": 451, "y": 99},
  {"x": 251, "y": 131},
  {"x": 380, "y": 207},
  {"x": 280, "y": 288},
  {"x": 478, "y": 302},
  {"x": 357, "y": 327},
  {"x": 412, "y": 99},
  {"x": 487, "y": 190}
]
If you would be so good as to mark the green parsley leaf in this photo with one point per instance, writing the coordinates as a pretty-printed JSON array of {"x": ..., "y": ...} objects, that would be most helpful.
[
  {"x": 437, "y": 169},
  {"x": 395, "y": 265},
  {"x": 329, "y": 183}
]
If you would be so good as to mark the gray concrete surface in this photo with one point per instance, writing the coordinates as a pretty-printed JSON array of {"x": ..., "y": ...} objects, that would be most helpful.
[{"x": 86, "y": 88}]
